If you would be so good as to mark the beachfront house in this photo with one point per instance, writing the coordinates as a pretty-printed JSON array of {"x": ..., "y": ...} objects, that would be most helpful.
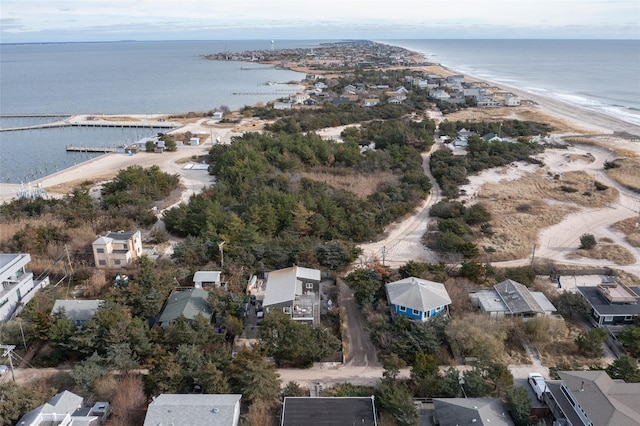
[
  {"x": 117, "y": 249},
  {"x": 511, "y": 100},
  {"x": 417, "y": 299},
  {"x": 612, "y": 303},
  {"x": 18, "y": 285},
  {"x": 294, "y": 291}
]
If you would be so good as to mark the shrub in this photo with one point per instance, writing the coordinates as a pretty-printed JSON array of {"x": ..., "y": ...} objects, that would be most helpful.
[
  {"x": 587, "y": 241},
  {"x": 600, "y": 186},
  {"x": 568, "y": 189}
]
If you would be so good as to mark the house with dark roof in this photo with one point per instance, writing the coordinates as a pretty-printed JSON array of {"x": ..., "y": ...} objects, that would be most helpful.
[
  {"x": 417, "y": 299},
  {"x": 612, "y": 303},
  {"x": 188, "y": 303},
  {"x": 470, "y": 411},
  {"x": 510, "y": 298},
  {"x": 117, "y": 249},
  {"x": 194, "y": 410},
  {"x": 295, "y": 291},
  {"x": 329, "y": 411},
  {"x": 592, "y": 398},
  {"x": 66, "y": 408},
  {"x": 77, "y": 311}
]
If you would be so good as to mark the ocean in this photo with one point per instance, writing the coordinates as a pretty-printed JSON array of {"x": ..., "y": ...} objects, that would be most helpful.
[
  {"x": 602, "y": 75},
  {"x": 173, "y": 77}
]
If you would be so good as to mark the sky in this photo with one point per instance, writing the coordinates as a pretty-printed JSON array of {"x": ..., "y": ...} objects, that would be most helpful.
[{"x": 24, "y": 21}]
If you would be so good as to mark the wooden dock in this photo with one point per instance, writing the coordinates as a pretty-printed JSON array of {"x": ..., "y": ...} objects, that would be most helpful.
[{"x": 71, "y": 148}]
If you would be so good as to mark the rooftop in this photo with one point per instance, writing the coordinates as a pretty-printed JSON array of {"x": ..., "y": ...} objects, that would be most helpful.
[
  {"x": 193, "y": 410},
  {"x": 325, "y": 411},
  {"x": 604, "y": 307},
  {"x": 418, "y": 294}
]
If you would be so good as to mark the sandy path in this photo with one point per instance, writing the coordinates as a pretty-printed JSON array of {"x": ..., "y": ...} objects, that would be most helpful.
[{"x": 403, "y": 241}]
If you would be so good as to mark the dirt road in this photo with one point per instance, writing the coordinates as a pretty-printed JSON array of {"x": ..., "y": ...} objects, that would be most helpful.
[{"x": 361, "y": 350}]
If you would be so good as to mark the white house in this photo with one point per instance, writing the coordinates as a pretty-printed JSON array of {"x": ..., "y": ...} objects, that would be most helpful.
[
  {"x": 295, "y": 291},
  {"x": 206, "y": 279},
  {"x": 417, "y": 299},
  {"x": 117, "y": 249},
  {"x": 511, "y": 100},
  {"x": 18, "y": 285}
]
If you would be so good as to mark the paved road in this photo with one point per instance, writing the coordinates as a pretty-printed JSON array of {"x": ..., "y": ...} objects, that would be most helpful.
[{"x": 361, "y": 350}]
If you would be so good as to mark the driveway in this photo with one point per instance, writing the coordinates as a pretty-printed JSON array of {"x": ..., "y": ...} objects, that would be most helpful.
[{"x": 361, "y": 350}]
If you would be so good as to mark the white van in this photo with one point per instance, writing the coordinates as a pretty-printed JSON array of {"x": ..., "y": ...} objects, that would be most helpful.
[{"x": 537, "y": 383}]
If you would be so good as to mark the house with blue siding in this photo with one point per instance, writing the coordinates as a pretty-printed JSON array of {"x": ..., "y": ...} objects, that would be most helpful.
[{"x": 418, "y": 299}]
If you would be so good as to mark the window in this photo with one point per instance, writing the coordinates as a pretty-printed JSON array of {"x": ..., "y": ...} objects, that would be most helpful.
[
  {"x": 416, "y": 312},
  {"x": 309, "y": 286},
  {"x": 287, "y": 310},
  {"x": 102, "y": 262},
  {"x": 4, "y": 302},
  {"x": 100, "y": 250},
  {"x": 628, "y": 317},
  {"x": 608, "y": 318},
  {"x": 116, "y": 261},
  {"x": 402, "y": 309}
]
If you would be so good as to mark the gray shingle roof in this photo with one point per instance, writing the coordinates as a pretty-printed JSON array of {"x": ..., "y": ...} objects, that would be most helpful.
[
  {"x": 189, "y": 303},
  {"x": 325, "y": 411},
  {"x": 517, "y": 298},
  {"x": 77, "y": 310},
  {"x": 467, "y": 411},
  {"x": 607, "y": 402},
  {"x": 194, "y": 410},
  {"x": 418, "y": 294}
]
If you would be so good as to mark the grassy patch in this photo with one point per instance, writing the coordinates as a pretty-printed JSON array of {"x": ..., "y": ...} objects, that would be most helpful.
[
  {"x": 627, "y": 174},
  {"x": 361, "y": 184},
  {"x": 611, "y": 252},
  {"x": 630, "y": 228},
  {"x": 523, "y": 208}
]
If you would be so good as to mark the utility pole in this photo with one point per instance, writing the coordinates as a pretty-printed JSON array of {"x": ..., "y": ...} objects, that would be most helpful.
[
  {"x": 220, "y": 244},
  {"x": 7, "y": 353},
  {"x": 384, "y": 254},
  {"x": 533, "y": 255}
]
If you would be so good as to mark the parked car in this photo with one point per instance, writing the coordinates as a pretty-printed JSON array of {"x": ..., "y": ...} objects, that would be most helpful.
[
  {"x": 252, "y": 299},
  {"x": 538, "y": 385}
]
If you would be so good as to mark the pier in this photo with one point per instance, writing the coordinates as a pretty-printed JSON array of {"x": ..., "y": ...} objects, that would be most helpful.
[
  {"x": 88, "y": 121},
  {"x": 71, "y": 148}
]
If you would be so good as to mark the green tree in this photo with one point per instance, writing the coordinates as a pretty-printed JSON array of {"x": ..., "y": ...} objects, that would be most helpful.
[
  {"x": 475, "y": 384},
  {"x": 624, "y": 368},
  {"x": 251, "y": 376},
  {"x": 519, "y": 405},
  {"x": 591, "y": 341},
  {"x": 86, "y": 373},
  {"x": 587, "y": 241},
  {"x": 292, "y": 343},
  {"x": 569, "y": 303},
  {"x": 397, "y": 400},
  {"x": 366, "y": 284},
  {"x": 630, "y": 337},
  {"x": 17, "y": 400}
]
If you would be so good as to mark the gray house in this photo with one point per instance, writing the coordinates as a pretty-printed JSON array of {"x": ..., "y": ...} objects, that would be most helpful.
[
  {"x": 77, "y": 311},
  {"x": 510, "y": 298},
  {"x": 295, "y": 291},
  {"x": 66, "y": 408},
  {"x": 329, "y": 411},
  {"x": 585, "y": 398},
  {"x": 188, "y": 303},
  {"x": 470, "y": 411},
  {"x": 612, "y": 303},
  {"x": 194, "y": 410}
]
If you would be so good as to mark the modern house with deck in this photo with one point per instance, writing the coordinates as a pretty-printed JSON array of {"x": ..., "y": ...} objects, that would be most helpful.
[
  {"x": 117, "y": 249},
  {"x": 295, "y": 291},
  {"x": 18, "y": 285},
  {"x": 512, "y": 299},
  {"x": 612, "y": 303}
]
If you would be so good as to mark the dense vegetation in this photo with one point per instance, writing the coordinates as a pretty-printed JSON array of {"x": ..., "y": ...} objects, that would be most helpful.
[
  {"x": 270, "y": 215},
  {"x": 451, "y": 171},
  {"x": 504, "y": 128}
]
